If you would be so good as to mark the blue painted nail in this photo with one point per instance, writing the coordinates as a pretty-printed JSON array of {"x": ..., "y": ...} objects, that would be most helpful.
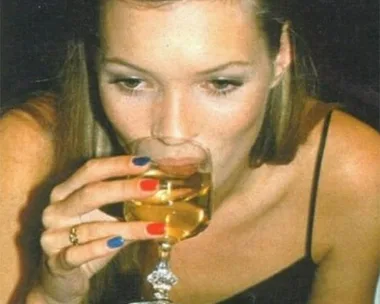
[
  {"x": 115, "y": 242},
  {"x": 141, "y": 161}
]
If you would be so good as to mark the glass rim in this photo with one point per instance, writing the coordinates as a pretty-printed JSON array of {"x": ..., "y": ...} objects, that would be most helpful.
[{"x": 181, "y": 140}]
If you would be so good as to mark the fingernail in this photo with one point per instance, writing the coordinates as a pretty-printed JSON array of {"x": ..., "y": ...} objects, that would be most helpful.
[
  {"x": 148, "y": 184},
  {"x": 141, "y": 161},
  {"x": 156, "y": 228},
  {"x": 115, "y": 242}
]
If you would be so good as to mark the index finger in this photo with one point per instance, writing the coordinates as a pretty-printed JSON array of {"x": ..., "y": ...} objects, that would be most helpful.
[{"x": 99, "y": 169}]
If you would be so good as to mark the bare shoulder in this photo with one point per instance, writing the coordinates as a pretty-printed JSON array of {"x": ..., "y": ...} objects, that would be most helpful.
[
  {"x": 353, "y": 154},
  {"x": 352, "y": 151},
  {"x": 348, "y": 212},
  {"x": 351, "y": 178},
  {"x": 27, "y": 150},
  {"x": 26, "y": 136},
  {"x": 26, "y": 160}
]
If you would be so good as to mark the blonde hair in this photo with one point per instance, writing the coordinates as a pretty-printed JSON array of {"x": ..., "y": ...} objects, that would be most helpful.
[{"x": 280, "y": 134}]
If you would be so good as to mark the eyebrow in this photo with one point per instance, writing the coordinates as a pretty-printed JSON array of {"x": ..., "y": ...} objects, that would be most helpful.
[
  {"x": 119, "y": 61},
  {"x": 225, "y": 66},
  {"x": 218, "y": 68}
]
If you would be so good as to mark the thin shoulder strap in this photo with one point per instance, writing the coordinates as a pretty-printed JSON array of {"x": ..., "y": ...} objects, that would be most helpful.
[{"x": 315, "y": 182}]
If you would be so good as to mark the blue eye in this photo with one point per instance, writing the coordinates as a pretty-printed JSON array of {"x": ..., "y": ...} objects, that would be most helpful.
[
  {"x": 131, "y": 85},
  {"x": 128, "y": 82},
  {"x": 222, "y": 86}
]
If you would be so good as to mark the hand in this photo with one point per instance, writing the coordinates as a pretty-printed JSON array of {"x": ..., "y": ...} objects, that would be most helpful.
[{"x": 74, "y": 209}]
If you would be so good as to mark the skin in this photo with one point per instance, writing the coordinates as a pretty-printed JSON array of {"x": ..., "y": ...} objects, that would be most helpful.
[
  {"x": 254, "y": 210},
  {"x": 170, "y": 75}
]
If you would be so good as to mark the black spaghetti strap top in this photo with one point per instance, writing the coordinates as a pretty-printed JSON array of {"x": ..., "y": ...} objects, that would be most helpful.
[{"x": 291, "y": 285}]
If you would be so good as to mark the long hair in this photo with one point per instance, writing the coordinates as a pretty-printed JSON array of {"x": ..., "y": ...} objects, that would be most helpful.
[
  {"x": 84, "y": 132},
  {"x": 280, "y": 134}
]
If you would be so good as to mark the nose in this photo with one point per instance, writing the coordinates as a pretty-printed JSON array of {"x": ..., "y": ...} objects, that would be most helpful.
[{"x": 173, "y": 116}]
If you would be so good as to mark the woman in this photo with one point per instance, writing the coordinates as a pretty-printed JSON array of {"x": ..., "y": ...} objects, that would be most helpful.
[{"x": 296, "y": 184}]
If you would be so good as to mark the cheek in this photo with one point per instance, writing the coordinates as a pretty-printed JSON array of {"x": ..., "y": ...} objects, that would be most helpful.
[
  {"x": 242, "y": 118},
  {"x": 234, "y": 136},
  {"x": 129, "y": 120},
  {"x": 234, "y": 139},
  {"x": 243, "y": 122}
]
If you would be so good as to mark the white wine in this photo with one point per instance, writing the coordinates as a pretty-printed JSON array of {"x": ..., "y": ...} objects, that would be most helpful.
[{"x": 182, "y": 201}]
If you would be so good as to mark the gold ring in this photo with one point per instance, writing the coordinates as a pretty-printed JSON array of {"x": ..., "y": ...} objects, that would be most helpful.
[{"x": 73, "y": 237}]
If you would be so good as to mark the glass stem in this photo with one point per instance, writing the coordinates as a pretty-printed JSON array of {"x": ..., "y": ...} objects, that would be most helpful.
[{"x": 162, "y": 278}]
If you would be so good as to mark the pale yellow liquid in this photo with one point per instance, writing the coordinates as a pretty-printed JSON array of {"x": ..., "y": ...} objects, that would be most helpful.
[{"x": 182, "y": 203}]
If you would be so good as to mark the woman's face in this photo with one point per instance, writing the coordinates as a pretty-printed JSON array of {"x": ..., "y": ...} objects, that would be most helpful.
[{"x": 196, "y": 69}]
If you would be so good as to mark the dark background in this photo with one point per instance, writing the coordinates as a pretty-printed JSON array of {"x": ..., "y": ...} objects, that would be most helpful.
[{"x": 343, "y": 37}]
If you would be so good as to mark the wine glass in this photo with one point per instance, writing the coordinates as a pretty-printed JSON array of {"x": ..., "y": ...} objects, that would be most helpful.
[{"x": 183, "y": 168}]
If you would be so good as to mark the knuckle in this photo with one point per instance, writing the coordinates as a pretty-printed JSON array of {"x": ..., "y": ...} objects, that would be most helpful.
[
  {"x": 84, "y": 194},
  {"x": 87, "y": 191},
  {"x": 47, "y": 217},
  {"x": 65, "y": 260},
  {"x": 130, "y": 187},
  {"x": 88, "y": 194},
  {"x": 91, "y": 165},
  {"x": 97, "y": 250},
  {"x": 55, "y": 194},
  {"x": 129, "y": 231},
  {"x": 137, "y": 230},
  {"x": 83, "y": 232},
  {"x": 53, "y": 266},
  {"x": 91, "y": 231},
  {"x": 97, "y": 230},
  {"x": 45, "y": 241}
]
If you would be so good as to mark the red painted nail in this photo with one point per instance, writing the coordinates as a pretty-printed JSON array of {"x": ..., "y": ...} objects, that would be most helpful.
[
  {"x": 156, "y": 228},
  {"x": 149, "y": 184}
]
